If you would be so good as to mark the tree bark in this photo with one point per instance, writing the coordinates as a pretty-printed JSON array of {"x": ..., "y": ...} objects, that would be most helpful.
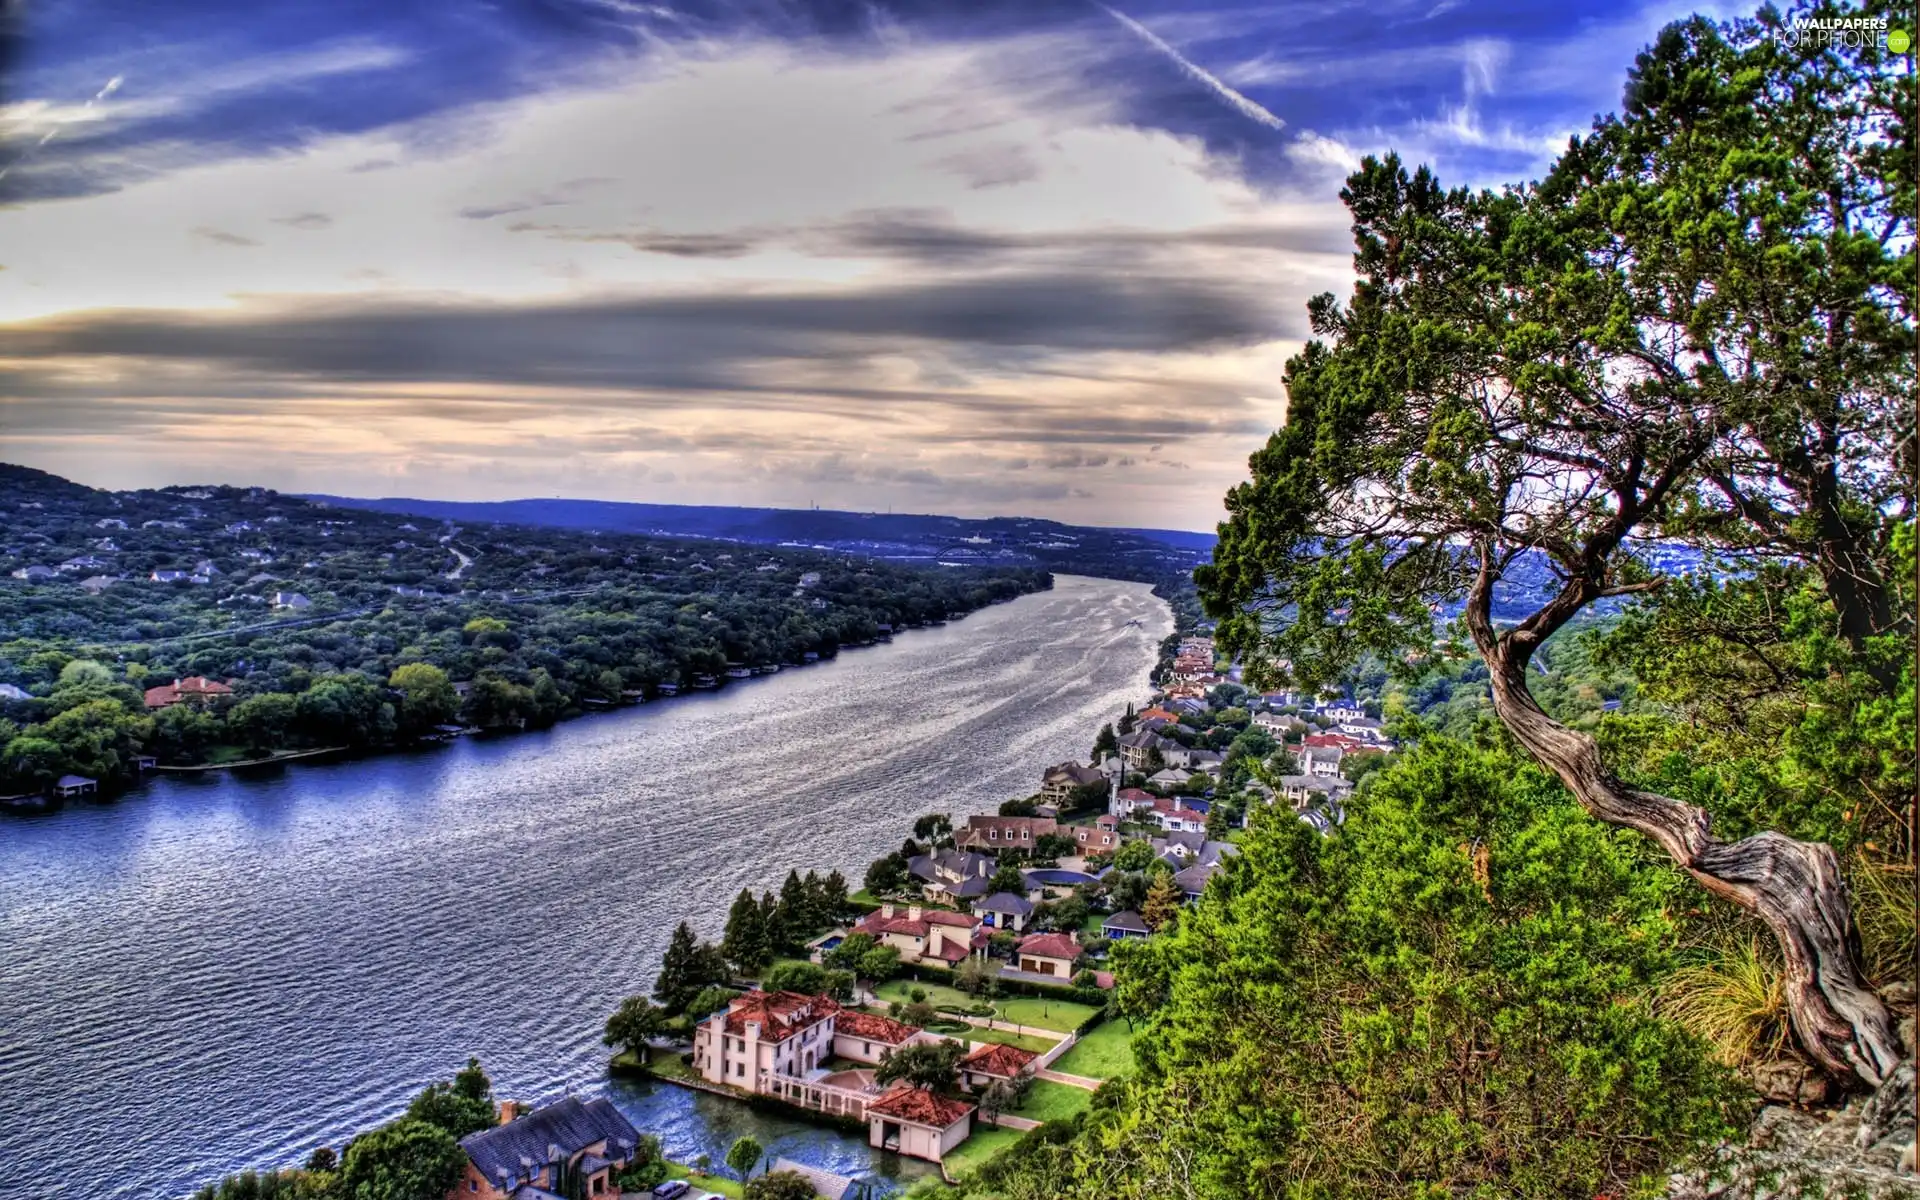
[{"x": 1795, "y": 887}]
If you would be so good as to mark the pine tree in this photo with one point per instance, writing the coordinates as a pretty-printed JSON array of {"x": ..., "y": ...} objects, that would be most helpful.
[
  {"x": 832, "y": 899},
  {"x": 798, "y": 916},
  {"x": 684, "y": 970},
  {"x": 745, "y": 943},
  {"x": 1163, "y": 900},
  {"x": 1105, "y": 744}
]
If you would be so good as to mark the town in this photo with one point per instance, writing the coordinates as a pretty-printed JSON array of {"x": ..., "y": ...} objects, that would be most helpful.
[{"x": 960, "y": 999}]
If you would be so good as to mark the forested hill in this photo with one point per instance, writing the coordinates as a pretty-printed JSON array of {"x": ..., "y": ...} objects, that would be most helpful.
[
  {"x": 335, "y": 626},
  {"x": 1147, "y": 555}
]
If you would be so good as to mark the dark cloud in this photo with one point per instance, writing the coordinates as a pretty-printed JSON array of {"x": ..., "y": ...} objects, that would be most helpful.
[
  {"x": 222, "y": 237},
  {"x": 694, "y": 342},
  {"x": 305, "y": 220},
  {"x": 993, "y": 166},
  {"x": 678, "y": 245}
]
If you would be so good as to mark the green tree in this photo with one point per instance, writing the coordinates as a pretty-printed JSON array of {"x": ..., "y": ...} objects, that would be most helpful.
[
  {"x": 98, "y": 739},
  {"x": 427, "y": 698},
  {"x": 1455, "y": 993},
  {"x": 1136, "y": 854},
  {"x": 935, "y": 829},
  {"x": 460, "y": 1107},
  {"x": 407, "y": 1160},
  {"x": 1697, "y": 328},
  {"x": 1161, "y": 907},
  {"x": 745, "y": 943},
  {"x": 886, "y": 874},
  {"x": 1105, "y": 745},
  {"x": 922, "y": 1064},
  {"x": 260, "y": 723},
  {"x": 879, "y": 964},
  {"x": 686, "y": 968},
  {"x": 795, "y": 977},
  {"x": 781, "y": 1185},
  {"x": 1007, "y": 878},
  {"x": 744, "y": 1155},
  {"x": 633, "y": 1025},
  {"x": 847, "y": 955}
]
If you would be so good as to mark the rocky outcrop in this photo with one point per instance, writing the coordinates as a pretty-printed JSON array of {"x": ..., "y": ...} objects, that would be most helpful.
[{"x": 1864, "y": 1150}]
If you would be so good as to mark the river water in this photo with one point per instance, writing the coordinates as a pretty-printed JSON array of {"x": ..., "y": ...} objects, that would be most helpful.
[{"x": 225, "y": 970}]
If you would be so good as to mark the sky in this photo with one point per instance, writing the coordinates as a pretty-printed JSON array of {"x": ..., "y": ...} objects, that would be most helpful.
[{"x": 979, "y": 257}]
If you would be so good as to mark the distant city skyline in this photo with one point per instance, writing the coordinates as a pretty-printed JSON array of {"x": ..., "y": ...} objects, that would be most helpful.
[{"x": 1041, "y": 259}]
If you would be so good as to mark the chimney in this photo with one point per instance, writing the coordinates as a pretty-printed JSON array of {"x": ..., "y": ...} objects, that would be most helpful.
[
  {"x": 913, "y": 912},
  {"x": 509, "y": 1109},
  {"x": 886, "y": 911}
]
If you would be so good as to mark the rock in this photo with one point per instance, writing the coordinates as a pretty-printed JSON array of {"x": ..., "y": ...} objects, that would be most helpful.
[
  {"x": 1886, "y": 1119},
  {"x": 1790, "y": 1081}
]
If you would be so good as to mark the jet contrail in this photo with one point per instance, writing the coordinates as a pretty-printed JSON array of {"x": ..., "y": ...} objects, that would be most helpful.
[
  {"x": 1233, "y": 99},
  {"x": 112, "y": 86}
]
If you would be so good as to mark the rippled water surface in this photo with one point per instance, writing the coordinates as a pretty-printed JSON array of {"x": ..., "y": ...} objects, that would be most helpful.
[{"x": 226, "y": 970}]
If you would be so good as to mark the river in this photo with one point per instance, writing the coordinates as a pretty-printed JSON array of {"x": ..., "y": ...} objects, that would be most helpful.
[{"x": 225, "y": 970}]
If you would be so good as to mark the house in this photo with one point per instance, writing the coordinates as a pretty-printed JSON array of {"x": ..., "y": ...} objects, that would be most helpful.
[
  {"x": 97, "y": 583},
  {"x": 68, "y": 786},
  {"x": 12, "y": 691},
  {"x": 86, "y": 562},
  {"x": 1365, "y": 728},
  {"x": 990, "y": 1062},
  {"x": 36, "y": 573},
  {"x": 1132, "y": 800},
  {"x": 293, "y": 600},
  {"x": 1277, "y": 725},
  {"x": 1047, "y": 954},
  {"x": 1169, "y": 778},
  {"x": 1058, "y": 783},
  {"x": 921, "y": 934},
  {"x": 197, "y": 688},
  {"x": 918, "y": 1123},
  {"x": 1343, "y": 711},
  {"x": 952, "y": 874},
  {"x": 1323, "y": 761},
  {"x": 825, "y": 1184},
  {"x": 168, "y": 576},
  {"x": 1176, "y": 818},
  {"x": 1304, "y": 791},
  {"x": 1192, "y": 881},
  {"x": 1122, "y": 925},
  {"x": 1139, "y": 747},
  {"x": 762, "y": 1035},
  {"x": 1209, "y": 761},
  {"x": 870, "y": 1037},
  {"x": 1004, "y": 910},
  {"x": 1156, "y": 713},
  {"x": 1183, "y": 849},
  {"x": 544, "y": 1152},
  {"x": 993, "y": 834},
  {"x": 1101, "y": 837}
]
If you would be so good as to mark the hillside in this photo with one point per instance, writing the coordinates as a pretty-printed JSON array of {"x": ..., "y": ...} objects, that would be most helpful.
[
  {"x": 356, "y": 627},
  {"x": 1147, "y": 555}
]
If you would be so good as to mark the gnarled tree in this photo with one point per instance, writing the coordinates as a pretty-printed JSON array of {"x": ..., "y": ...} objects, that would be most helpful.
[{"x": 1696, "y": 330}]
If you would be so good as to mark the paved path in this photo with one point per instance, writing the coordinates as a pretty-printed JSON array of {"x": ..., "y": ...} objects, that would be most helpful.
[{"x": 1079, "y": 1081}]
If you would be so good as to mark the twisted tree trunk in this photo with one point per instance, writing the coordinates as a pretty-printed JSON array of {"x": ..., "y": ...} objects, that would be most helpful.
[{"x": 1795, "y": 887}]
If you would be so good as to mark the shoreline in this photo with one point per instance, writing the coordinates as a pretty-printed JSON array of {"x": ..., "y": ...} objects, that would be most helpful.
[{"x": 115, "y": 792}]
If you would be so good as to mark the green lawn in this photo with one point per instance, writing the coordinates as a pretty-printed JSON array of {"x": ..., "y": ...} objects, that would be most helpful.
[
  {"x": 1063, "y": 1015},
  {"x": 937, "y": 993},
  {"x": 711, "y": 1183},
  {"x": 973, "y": 1153},
  {"x": 1050, "y": 1101},
  {"x": 1006, "y": 1037},
  {"x": 1104, "y": 1051}
]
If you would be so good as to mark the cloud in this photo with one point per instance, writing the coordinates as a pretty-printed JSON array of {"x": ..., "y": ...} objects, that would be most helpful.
[
  {"x": 222, "y": 237},
  {"x": 305, "y": 220}
]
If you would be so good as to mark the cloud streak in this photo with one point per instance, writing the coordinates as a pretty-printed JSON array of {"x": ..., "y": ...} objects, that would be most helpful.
[{"x": 1232, "y": 99}]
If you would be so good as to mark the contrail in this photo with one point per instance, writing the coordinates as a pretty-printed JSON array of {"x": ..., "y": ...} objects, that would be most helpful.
[
  {"x": 111, "y": 86},
  {"x": 1233, "y": 99}
]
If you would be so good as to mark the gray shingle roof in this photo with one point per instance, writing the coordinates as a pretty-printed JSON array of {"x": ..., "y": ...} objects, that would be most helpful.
[
  {"x": 505, "y": 1152},
  {"x": 1129, "y": 921},
  {"x": 1005, "y": 902}
]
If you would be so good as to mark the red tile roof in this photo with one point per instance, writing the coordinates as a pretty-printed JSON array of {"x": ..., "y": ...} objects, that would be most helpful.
[
  {"x": 876, "y": 924},
  {"x": 872, "y": 1027},
  {"x": 780, "y": 1014},
  {"x": 180, "y": 689},
  {"x": 1051, "y": 945},
  {"x": 920, "y": 1107},
  {"x": 949, "y": 951},
  {"x": 1002, "y": 1062}
]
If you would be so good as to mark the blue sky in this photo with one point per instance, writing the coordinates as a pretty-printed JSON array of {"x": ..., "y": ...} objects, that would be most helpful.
[{"x": 984, "y": 257}]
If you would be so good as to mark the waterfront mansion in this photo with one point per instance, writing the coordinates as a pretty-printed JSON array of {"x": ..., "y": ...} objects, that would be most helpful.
[{"x": 763, "y": 1038}]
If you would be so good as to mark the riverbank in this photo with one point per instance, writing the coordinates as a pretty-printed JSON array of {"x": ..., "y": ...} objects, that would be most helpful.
[{"x": 392, "y": 914}]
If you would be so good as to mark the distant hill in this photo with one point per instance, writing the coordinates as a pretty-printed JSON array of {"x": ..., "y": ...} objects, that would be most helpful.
[{"x": 1139, "y": 554}]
